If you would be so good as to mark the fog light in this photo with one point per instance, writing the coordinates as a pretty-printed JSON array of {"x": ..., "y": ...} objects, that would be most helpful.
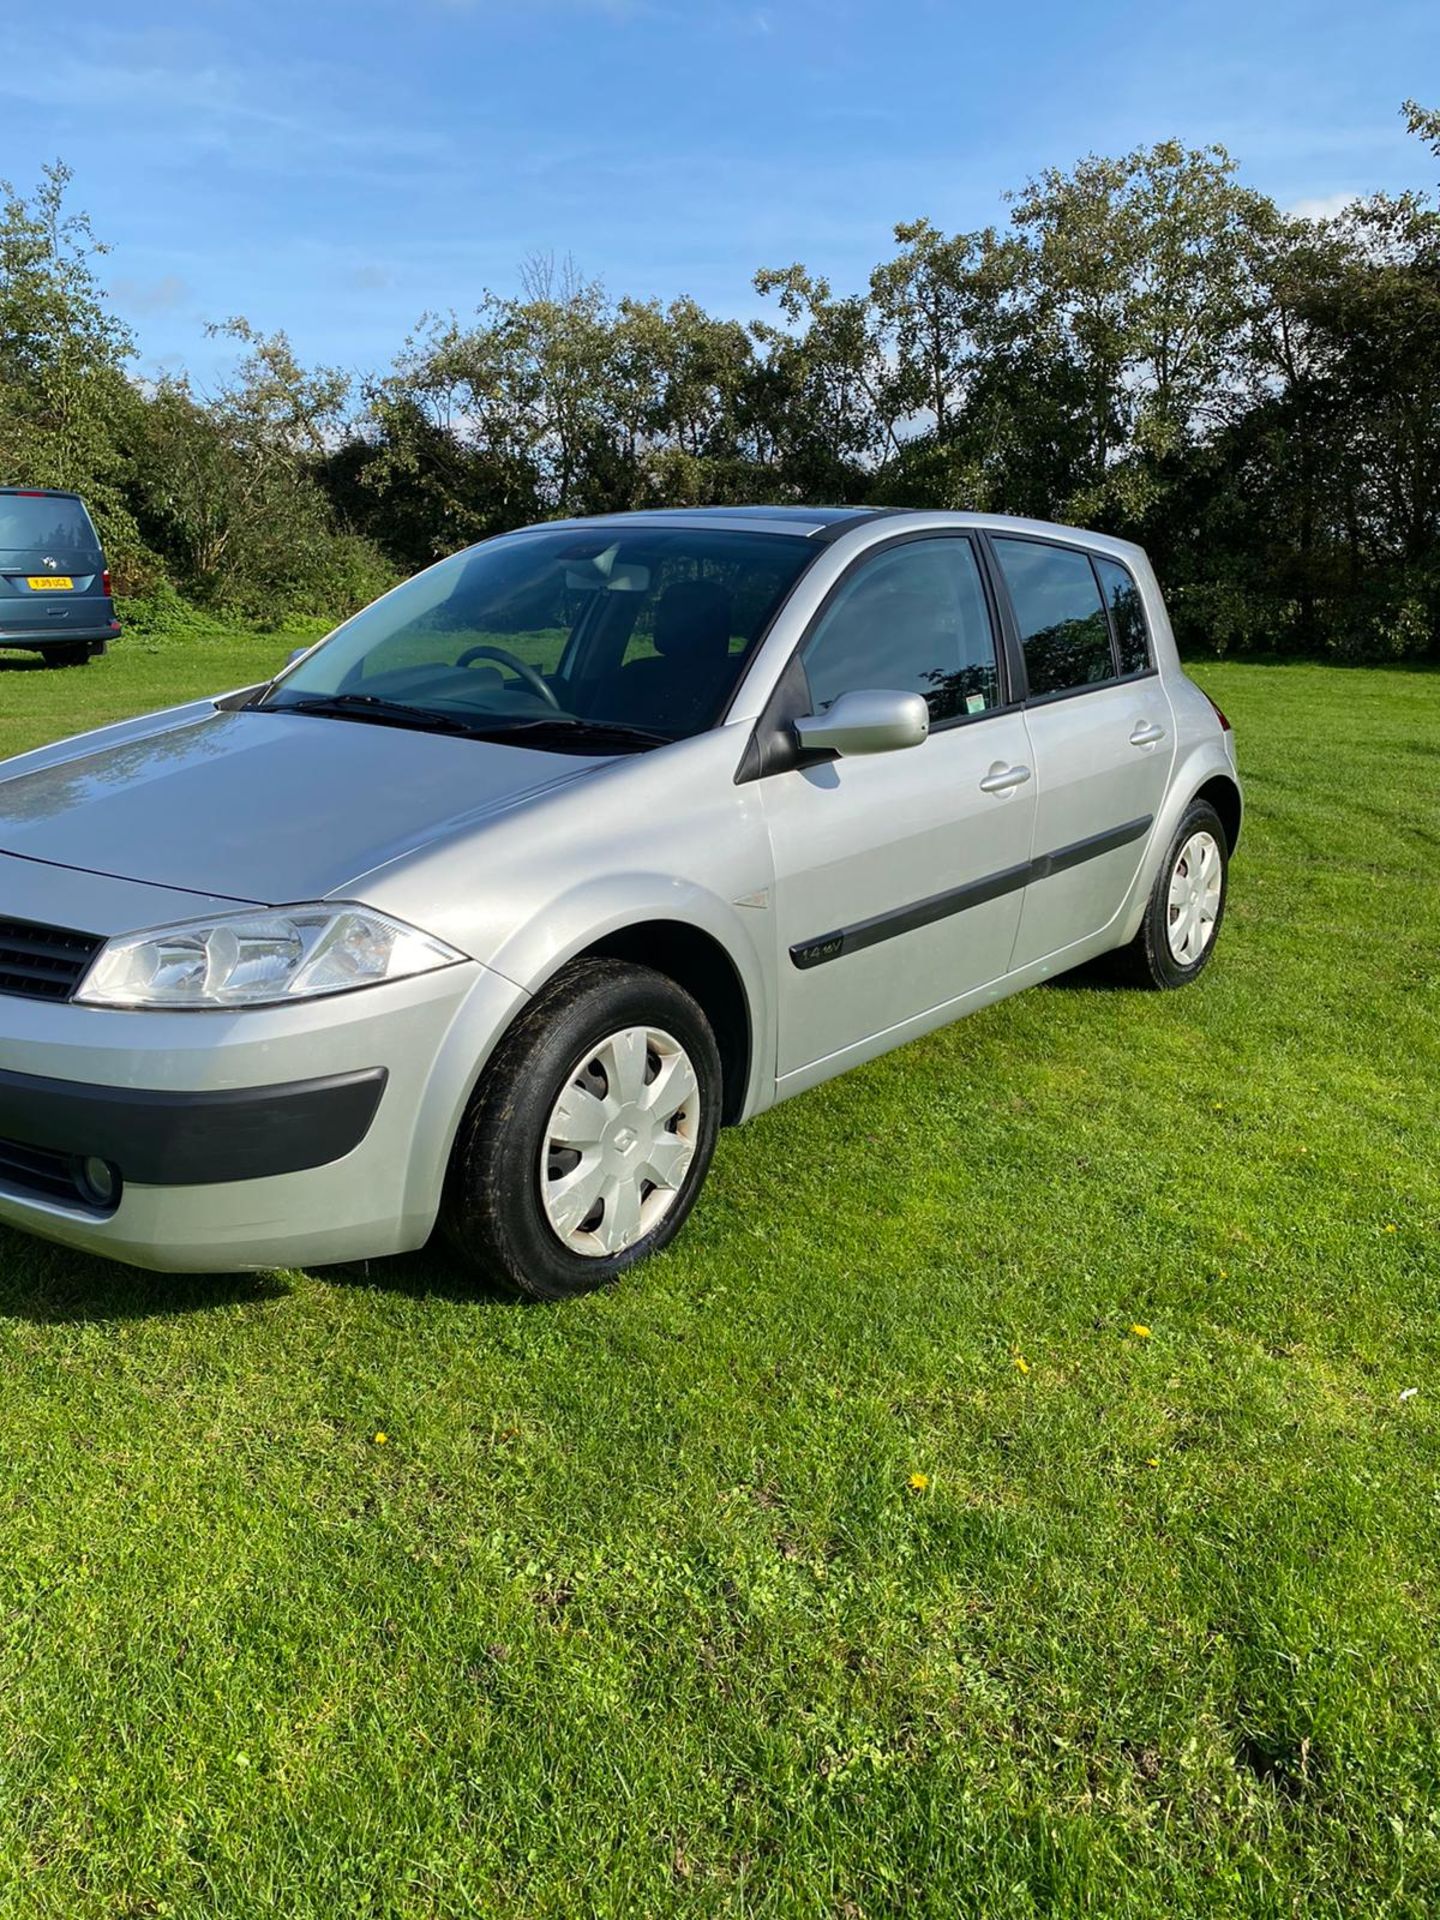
[{"x": 98, "y": 1181}]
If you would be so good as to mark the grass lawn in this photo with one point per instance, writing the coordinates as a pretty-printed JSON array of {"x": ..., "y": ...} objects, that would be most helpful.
[{"x": 866, "y": 1556}]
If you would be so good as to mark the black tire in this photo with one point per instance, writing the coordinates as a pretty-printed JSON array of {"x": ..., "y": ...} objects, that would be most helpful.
[
  {"x": 493, "y": 1213},
  {"x": 78, "y": 655},
  {"x": 1148, "y": 960}
]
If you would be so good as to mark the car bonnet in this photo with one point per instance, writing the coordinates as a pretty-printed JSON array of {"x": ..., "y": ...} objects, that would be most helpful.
[{"x": 264, "y": 806}]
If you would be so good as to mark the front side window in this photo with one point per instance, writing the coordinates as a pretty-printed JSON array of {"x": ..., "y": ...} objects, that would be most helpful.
[
  {"x": 912, "y": 620},
  {"x": 1127, "y": 615},
  {"x": 560, "y": 633},
  {"x": 1062, "y": 621}
]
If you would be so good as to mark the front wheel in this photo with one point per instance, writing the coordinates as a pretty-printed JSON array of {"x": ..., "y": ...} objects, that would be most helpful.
[
  {"x": 590, "y": 1134},
  {"x": 1186, "y": 905}
]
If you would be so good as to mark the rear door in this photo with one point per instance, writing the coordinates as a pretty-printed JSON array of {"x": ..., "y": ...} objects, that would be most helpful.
[
  {"x": 1101, "y": 734},
  {"x": 898, "y": 876},
  {"x": 51, "y": 570}
]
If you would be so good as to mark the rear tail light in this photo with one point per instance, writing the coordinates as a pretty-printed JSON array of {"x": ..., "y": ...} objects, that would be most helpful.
[
  {"x": 105, "y": 588},
  {"x": 1219, "y": 711}
]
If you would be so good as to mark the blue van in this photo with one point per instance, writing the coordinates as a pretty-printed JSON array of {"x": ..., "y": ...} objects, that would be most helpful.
[{"x": 54, "y": 584}]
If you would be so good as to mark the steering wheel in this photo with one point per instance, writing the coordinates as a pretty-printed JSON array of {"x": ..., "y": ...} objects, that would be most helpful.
[{"x": 518, "y": 667}]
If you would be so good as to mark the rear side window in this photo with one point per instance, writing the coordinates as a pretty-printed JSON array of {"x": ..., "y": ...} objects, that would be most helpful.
[
  {"x": 912, "y": 620},
  {"x": 1127, "y": 615},
  {"x": 1062, "y": 621},
  {"x": 45, "y": 520}
]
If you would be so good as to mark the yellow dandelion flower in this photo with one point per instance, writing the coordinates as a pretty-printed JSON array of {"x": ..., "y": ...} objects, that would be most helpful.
[
  {"x": 381, "y": 1438},
  {"x": 1141, "y": 1333},
  {"x": 919, "y": 1482},
  {"x": 1152, "y": 1461},
  {"x": 1390, "y": 1228},
  {"x": 1022, "y": 1365}
]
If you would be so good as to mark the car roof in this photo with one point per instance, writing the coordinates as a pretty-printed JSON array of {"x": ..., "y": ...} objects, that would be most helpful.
[
  {"x": 42, "y": 493},
  {"x": 764, "y": 518},
  {"x": 827, "y": 524}
]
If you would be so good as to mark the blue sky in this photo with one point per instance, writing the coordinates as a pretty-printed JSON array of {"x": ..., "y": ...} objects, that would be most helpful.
[{"x": 336, "y": 167}]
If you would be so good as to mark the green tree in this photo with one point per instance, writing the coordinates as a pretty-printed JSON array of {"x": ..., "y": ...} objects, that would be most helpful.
[
  {"x": 1148, "y": 346},
  {"x": 1311, "y": 522},
  {"x": 705, "y": 439},
  {"x": 1141, "y": 267},
  {"x": 227, "y": 485},
  {"x": 936, "y": 303},
  {"x": 66, "y": 407},
  {"x": 826, "y": 400}
]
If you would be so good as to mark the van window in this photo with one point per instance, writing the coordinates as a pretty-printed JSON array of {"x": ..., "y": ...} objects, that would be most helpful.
[{"x": 37, "y": 521}]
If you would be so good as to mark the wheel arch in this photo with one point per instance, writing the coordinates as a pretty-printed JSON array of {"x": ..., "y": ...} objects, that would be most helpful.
[
  {"x": 1207, "y": 775},
  {"x": 1223, "y": 794},
  {"x": 698, "y": 962}
]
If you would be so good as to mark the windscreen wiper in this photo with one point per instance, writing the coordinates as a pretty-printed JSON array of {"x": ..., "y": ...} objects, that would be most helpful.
[
  {"x": 569, "y": 730},
  {"x": 369, "y": 706},
  {"x": 558, "y": 729}
]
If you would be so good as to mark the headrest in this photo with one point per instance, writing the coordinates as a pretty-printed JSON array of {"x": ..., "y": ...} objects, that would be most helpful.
[{"x": 693, "y": 616}]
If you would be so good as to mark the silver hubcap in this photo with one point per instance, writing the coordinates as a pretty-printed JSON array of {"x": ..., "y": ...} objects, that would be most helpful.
[
  {"x": 619, "y": 1141},
  {"x": 1194, "y": 898}
]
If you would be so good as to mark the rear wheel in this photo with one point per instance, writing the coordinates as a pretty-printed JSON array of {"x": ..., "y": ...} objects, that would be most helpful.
[
  {"x": 590, "y": 1135},
  {"x": 79, "y": 654},
  {"x": 1186, "y": 905}
]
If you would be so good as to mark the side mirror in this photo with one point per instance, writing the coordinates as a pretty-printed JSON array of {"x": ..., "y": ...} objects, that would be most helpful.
[
  {"x": 297, "y": 653},
  {"x": 866, "y": 722}
]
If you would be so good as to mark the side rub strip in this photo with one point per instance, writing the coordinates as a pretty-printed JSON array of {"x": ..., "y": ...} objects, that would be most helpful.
[{"x": 939, "y": 906}]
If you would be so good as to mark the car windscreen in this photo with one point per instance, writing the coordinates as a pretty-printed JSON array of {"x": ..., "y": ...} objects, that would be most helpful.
[
  {"x": 581, "y": 629},
  {"x": 35, "y": 522}
]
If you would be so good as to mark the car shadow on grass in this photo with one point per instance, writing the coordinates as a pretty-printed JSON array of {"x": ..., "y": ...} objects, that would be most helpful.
[
  {"x": 433, "y": 1273},
  {"x": 55, "y": 1286},
  {"x": 1095, "y": 976}
]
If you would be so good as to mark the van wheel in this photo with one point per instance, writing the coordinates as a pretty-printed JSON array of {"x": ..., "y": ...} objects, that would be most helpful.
[
  {"x": 591, "y": 1132},
  {"x": 1186, "y": 905},
  {"x": 79, "y": 655}
]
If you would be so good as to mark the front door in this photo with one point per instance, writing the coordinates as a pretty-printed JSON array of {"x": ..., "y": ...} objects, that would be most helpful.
[{"x": 899, "y": 876}]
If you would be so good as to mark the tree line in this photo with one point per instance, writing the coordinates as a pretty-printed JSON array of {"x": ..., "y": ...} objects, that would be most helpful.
[{"x": 1145, "y": 345}]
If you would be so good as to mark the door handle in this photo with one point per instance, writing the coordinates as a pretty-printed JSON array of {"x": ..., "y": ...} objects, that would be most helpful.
[
  {"x": 1002, "y": 779},
  {"x": 1145, "y": 733}
]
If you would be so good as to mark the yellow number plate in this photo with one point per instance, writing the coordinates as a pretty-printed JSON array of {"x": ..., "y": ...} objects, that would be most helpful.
[{"x": 50, "y": 582}]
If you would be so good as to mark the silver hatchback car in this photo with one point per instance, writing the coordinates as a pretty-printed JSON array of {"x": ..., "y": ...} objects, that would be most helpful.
[{"x": 493, "y": 907}]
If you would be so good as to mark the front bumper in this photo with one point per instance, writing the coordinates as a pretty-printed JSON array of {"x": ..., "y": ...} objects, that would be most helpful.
[
  {"x": 270, "y": 1137},
  {"x": 190, "y": 1139}
]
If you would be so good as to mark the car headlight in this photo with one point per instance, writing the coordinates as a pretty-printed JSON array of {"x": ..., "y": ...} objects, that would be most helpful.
[{"x": 261, "y": 958}]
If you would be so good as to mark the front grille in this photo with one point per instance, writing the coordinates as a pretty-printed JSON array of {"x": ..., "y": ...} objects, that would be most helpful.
[
  {"x": 43, "y": 963},
  {"x": 36, "y": 1170}
]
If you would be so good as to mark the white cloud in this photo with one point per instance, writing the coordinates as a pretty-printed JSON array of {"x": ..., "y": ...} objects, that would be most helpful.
[{"x": 1323, "y": 206}]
